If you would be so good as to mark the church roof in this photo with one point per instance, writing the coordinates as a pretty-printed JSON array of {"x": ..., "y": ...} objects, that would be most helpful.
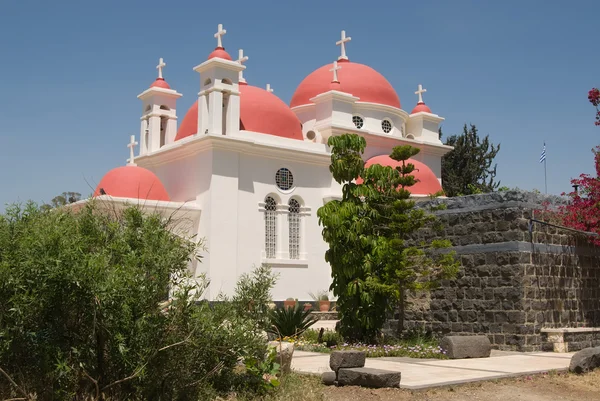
[
  {"x": 134, "y": 182},
  {"x": 427, "y": 182},
  {"x": 260, "y": 111},
  {"x": 354, "y": 78}
]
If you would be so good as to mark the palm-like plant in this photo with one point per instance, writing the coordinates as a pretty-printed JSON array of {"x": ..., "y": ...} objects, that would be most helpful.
[{"x": 289, "y": 322}]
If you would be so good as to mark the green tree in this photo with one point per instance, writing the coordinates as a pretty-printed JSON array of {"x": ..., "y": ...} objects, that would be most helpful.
[
  {"x": 469, "y": 168},
  {"x": 84, "y": 312},
  {"x": 63, "y": 199},
  {"x": 373, "y": 262}
]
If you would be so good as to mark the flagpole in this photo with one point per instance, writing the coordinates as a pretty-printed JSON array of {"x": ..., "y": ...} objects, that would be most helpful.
[{"x": 545, "y": 178}]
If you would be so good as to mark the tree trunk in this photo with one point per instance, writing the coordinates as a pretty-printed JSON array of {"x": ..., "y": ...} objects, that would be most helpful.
[{"x": 400, "y": 328}]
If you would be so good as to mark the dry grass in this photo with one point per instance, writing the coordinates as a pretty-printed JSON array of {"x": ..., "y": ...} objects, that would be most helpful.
[{"x": 548, "y": 387}]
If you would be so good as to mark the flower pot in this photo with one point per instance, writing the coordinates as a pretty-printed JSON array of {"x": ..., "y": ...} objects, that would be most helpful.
[
  {"x": 289, "y": 304},
  {"x": 307, "y": 306},
  {"x": 324, "y": 306}
]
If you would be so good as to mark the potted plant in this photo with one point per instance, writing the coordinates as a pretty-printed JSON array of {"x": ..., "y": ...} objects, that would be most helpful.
[
  {"x": 322, "y": 297},
  {"x": 289, "y": 303},
  {"x": 324, "y": 303},
  {"x": 307, "y": 306}
]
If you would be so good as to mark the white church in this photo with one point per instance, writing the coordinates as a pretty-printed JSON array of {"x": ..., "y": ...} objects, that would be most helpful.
[{"x": 248, "y": 173}]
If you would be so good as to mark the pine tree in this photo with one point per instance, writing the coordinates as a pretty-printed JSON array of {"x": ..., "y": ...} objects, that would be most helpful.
[{"x": 468, "y": 168}]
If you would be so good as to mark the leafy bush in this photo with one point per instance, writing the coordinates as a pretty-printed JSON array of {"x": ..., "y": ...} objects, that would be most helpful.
[
  {"x": 83, "y": 312},
  {"x": 288, "y": 322},
  {"x": 253, "y": 295}
]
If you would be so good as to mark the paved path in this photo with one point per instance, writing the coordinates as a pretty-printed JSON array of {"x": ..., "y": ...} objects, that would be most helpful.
[{"x": 424, "y": 373}]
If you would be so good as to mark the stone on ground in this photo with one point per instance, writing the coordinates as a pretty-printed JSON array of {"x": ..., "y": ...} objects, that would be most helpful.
[
  {"x": 459, "y": 347},
  {"x": 285, "y": 351},
  {"x": 328, "y": 378},
  {"x": 367, "y": 377},
  {"x": 585, "y": 360},
  {"x": 346, "y": 359}
]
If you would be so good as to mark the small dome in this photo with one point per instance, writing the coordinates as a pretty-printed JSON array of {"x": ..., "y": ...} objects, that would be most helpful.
[
  {"x": 260, "y": 111},
  {"x": 160, "y": 83},
  {"x": 421, "y": 107},
  {"x": 220, "y": 53},
  {"x": 132, "y": 182},
  {"x": 427, "y": 183},
  {"x": 356, "y": 79}
]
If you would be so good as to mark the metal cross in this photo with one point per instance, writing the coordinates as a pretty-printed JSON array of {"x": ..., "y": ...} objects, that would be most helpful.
[
  {"x": 335, "y": 69},
  {"x": 160, "y": 66},
  {"x": 420, "y": 93},
  {"x": 342, "y": 43},
  {"x": 219, "y": 34},
  {"x": 131, "y": 145},
  {"x": 241, "y": 59},
  {"x": 269, "y": 89}
]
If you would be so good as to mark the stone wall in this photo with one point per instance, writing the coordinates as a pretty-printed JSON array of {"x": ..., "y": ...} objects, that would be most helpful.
[{"x": 514, "y": 280}]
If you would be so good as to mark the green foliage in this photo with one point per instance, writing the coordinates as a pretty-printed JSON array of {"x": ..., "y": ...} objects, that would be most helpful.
[
  {"x": 468, "y": 168},
  {"x": 63, "y": 199},
  {"x": 85, "y": 314},
  {"x": 372, "y": 263},
  {"x": 253, "y": 295},
  {"x": 319, "y": 295},
  {"x": 289, "y": 322}
]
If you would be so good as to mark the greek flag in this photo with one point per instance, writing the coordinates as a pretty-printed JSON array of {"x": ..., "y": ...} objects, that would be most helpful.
[{"x": 543, "y": 155}]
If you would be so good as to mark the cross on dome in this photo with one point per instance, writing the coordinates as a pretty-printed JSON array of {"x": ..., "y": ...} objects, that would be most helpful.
[
  {"x": 335, "y": 69},
  {"x": 131, "y": 145},
  {"x": 269, "y": 89},
  {"x": 159, "y": 67},
  {"x": 420, "y": 92},
  {"x": 241, "y": 59},
  {"x": 219, "y": 35},
  {"x": 342, "y": 43}
]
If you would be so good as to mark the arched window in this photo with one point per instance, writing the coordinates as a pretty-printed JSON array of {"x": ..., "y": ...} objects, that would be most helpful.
[
  {"x": 270, "y": 227},
  {"x": 294, "y": 226}
]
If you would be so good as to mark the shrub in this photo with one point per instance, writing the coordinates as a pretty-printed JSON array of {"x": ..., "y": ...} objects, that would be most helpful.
[
  {"x": 83, "y": 312},
  {"x": 289, "y": 322},
  {"x": 253, "y": 295}
]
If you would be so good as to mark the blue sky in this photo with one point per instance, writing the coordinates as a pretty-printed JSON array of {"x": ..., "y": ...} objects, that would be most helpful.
[{"x": 71, "y": 71}]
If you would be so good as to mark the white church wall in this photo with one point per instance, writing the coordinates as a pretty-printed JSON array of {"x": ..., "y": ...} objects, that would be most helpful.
[{"x": 297, "y": 277}]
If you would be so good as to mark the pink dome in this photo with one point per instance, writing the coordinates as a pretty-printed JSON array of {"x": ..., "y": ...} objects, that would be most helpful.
[
  {"x": 160, "y": 83},
  {"x": 421, "y": 107},
  {"x": 132, "y": 182},
  {"x": 356, "y": 79},
  {"x": 260, "y": 111},
  {"x": 427, "y": 183},
  {"x": 221, "y": 53}
]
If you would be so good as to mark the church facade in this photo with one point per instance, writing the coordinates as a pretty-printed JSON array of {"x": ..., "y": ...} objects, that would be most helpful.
[{"x": 247, "y": 172}]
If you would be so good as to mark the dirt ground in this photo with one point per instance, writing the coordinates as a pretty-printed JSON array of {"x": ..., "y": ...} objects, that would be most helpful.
[{"x": 547, "y": 387}]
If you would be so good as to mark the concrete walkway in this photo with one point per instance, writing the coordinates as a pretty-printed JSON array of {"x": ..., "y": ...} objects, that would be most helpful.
[{"x": 424, "y": 373}]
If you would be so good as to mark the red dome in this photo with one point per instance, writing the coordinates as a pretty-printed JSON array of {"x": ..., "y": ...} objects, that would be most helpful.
[
  {"x": 221, "y": 53},
  {"x": 160, "y": 83},
  {"x": 132, "y": 182},
  {"x": 260, "y": 111},
  {"x": 356, "y": 79},
  {"x": 427, "y": 183},
  {"x": 421, "y": 107}
]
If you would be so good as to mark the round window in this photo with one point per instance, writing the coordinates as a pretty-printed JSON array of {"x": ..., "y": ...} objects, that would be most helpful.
[
  {"x": 284, "y": 179},
  {"x": 358, "y": 121},
  {"x": 386, "y": 126}
]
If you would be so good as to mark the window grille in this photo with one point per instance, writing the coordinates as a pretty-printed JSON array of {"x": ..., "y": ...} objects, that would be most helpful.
[
  {"x": 294, "y": 226},
  {"x": 358, "y": 121},
  {"x": 386, "y": 125},
  {"x": 284, "y": 179},
  {"x": 270, "y": 227}
]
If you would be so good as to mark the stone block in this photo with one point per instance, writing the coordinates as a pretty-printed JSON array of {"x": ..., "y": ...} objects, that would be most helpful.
[
  {"x": 585, "y": 360},
  {"x": 367, "y": 377},
  {"x": 328, "y": 378},
  {"x": 459, "y": 347},
  {"x": 346, "y": 359},
  {"x": 285, "y": 352}
]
